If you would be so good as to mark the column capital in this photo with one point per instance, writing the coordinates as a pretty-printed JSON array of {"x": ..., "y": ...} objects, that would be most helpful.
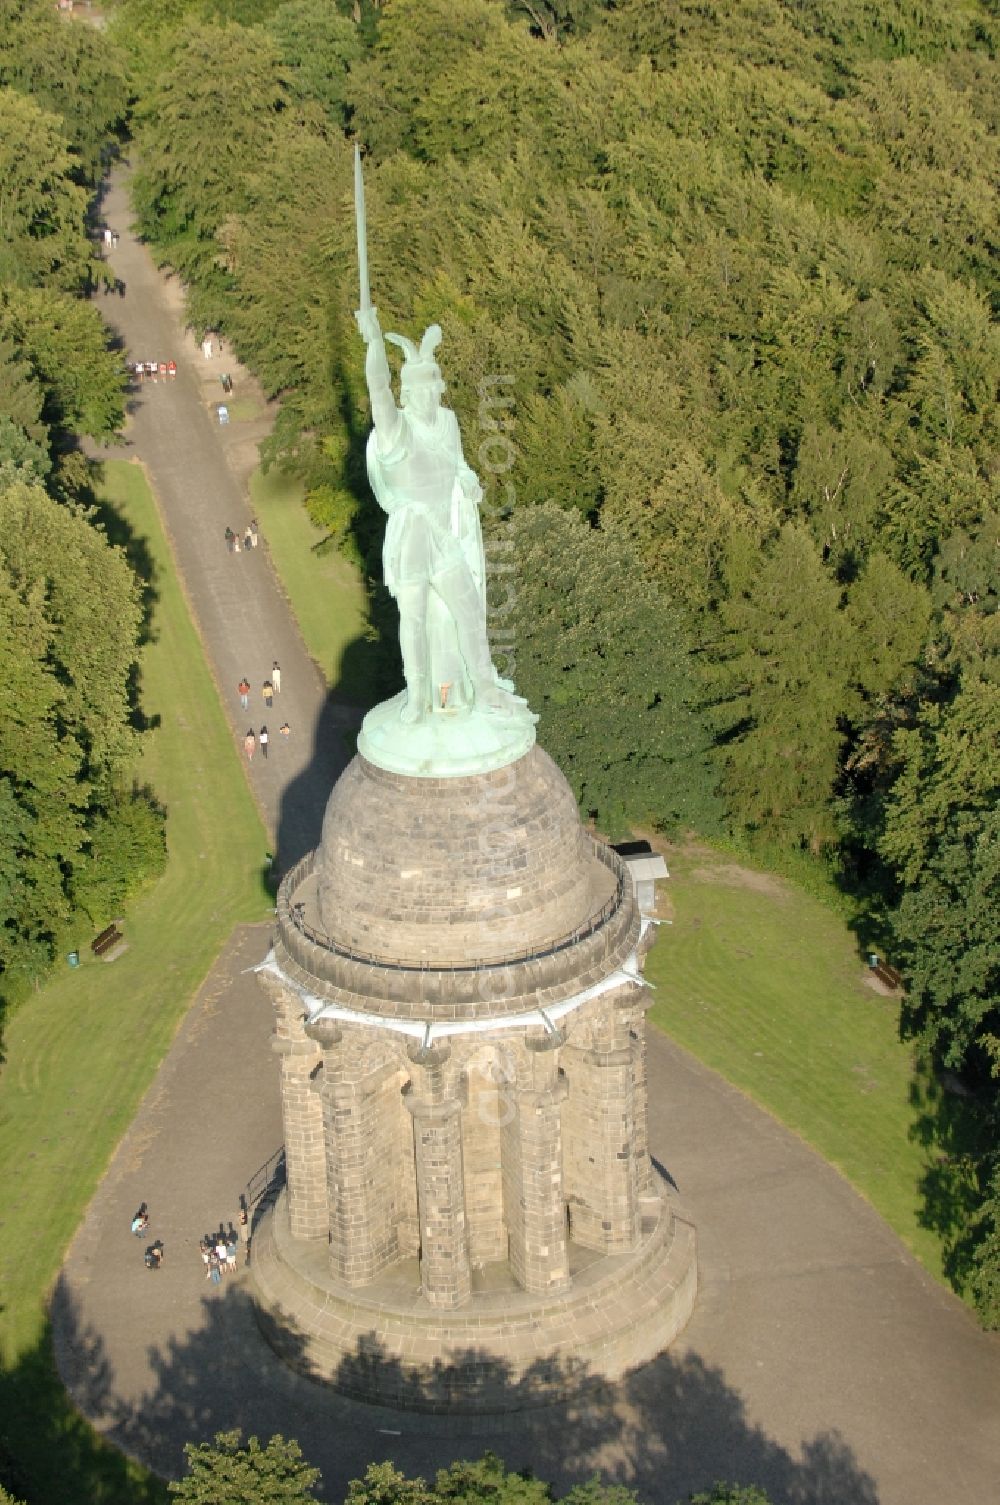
[
  {"x": 428, "y": 1056},
  {"x": 601, "y": 1058},
  {"x": 544, "y": 1097},
  {"x": 283, "y": 1047},
  {"x": 423, "y": 1108},
  {"x": 550, "y": 1040},
  {"x": 325, "y": 1032},
  {"x": 634, "y": 998}
]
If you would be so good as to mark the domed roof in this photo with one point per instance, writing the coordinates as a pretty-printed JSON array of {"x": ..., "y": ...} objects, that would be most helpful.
[
  {"x": 456, "y": 870},
  {"x": 468, "y": 897}
]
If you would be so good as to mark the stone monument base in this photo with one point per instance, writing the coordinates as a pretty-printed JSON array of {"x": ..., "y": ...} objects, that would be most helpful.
[
  {"x": 506, "y": 1350},
  {"x": 447, "y": 743}
]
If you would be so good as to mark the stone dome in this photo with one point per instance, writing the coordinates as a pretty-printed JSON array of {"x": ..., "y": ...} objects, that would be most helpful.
[{"x": 446, "y": 872}]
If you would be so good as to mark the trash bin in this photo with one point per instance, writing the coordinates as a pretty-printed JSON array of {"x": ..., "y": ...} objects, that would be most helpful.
[{"x": 73, "y": 959}]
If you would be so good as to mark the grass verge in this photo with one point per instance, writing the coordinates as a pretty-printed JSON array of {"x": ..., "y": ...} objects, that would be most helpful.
[
  {"x": 763, "y": 983},
  {"x": 326, "y": 593},
  {"x": 82, "y": 1051}
]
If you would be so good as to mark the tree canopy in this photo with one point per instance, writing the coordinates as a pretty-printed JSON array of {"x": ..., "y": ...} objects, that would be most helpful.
[
  {"x": 70, "y": 613},
  {"x": 77, "y": 838},
  {"x": 229, "y": 1471}
]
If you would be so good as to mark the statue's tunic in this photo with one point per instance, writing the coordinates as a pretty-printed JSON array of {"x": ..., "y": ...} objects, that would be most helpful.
[{"x": 433, "y": 523}]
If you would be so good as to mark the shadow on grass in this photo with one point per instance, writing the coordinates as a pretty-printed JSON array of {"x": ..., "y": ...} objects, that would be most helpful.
[
  {"x": 49, "y": 1454},
  {"x": 670, "y": 1428},
  {"x": 134, "y": 546},
  {"x": 952, "y": 1121},
  {"x": 954, "y": 1130}
]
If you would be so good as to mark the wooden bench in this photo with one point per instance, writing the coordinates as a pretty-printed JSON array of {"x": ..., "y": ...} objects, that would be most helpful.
[
  {"x": 109, "y": 944},
  {"x": 888, "y": 975}
]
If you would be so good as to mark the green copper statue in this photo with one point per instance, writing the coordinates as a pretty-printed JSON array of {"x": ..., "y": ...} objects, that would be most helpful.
[
  {"x": 432, "y": 559},
  {"x": 434, "y": 566}
]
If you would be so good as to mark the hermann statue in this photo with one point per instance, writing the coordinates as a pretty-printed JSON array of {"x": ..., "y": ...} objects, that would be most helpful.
[{"x": 433, "y": 565}]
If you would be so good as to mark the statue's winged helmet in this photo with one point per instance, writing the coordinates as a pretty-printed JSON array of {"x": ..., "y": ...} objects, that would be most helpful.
[{"x": 419, "y": 364}]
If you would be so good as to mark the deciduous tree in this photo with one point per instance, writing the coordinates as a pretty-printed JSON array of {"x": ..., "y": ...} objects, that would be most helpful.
[
  {"x": 42, "y": 207},
  {"x": 229, "y": 1471}
]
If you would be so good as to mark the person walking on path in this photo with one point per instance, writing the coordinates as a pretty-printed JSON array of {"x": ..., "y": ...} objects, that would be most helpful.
[
  {"x": 254, "y": 535},
  {"x": 249, "y": 745},
  {"x": 230, "y": 539},
  {"x": 244, "y": 692},
  {"x": 276, "y": 677},
  {"x": 267, "y": 691},
  {"x": 264, "y": 740}
]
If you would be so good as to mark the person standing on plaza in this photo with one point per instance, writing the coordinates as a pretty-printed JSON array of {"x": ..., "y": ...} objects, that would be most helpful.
[
  {"x": 276, "y": 677},
  {"x": 267, "y": 691},
  {"x": 264, "y": 740},
  {"x": 249, "y": 744},
  {"x": 243, "y": 688}
]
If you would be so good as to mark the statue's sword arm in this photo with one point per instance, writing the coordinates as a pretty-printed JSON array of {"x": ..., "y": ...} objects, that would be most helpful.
[{"x": 359, "y": 215}]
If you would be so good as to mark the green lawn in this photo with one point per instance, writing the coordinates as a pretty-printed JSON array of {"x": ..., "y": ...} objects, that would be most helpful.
[
  {"x": 764, "y": 983},
  {"x": 241, "y": 409},
  {"x": 81, "y": 1052},
  {"x": 325, "y": 592}
]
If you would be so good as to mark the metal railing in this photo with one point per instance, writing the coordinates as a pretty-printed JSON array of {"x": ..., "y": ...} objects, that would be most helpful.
[
  {"x": 296, "y": 916},
  {"x": 266, "y": 1181}
]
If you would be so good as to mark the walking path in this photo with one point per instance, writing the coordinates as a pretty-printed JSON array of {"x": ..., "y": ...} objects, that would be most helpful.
[
  {"x": 821, "y": 1361},
  {"x": 199, "y": 472}
]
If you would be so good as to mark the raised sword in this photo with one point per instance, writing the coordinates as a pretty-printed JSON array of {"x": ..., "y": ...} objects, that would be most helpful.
[{"x": 359, "y": 215}]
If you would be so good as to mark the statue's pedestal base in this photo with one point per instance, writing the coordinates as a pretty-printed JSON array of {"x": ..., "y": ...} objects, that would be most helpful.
[
  {"x": 445, "y": 743},
  {"x": 504, "y": 1350}
]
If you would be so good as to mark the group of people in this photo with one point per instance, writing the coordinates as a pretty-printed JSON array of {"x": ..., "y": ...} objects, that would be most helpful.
[
  {"x": 269, "y": 689},
  {"x": 219, "y": 1253},
  {"x": 154, "y": 370},
  {"x": 250, "y": 538}
]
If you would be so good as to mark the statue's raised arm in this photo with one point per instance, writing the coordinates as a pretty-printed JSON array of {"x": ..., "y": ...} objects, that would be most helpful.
[{"x": 385, "y": 414}]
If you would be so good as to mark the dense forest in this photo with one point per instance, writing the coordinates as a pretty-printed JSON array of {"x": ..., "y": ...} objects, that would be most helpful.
[
  {"x": 717, "y": 285},
  {"x": 76, "y": 837}
]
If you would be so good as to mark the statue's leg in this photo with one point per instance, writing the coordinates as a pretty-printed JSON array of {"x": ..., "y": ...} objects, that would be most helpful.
[
  {"x": 411, "y": 601},
  {"x": 457, "y": 590}
]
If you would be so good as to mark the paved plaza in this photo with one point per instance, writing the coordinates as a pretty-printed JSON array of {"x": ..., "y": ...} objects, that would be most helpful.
[{"x": 821, "y": 1361}]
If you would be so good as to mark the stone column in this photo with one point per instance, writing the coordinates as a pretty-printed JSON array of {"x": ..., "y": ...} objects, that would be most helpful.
[
  {"x": 445, "y": 1273},
  {"x": 602, "y": 1182},
  {"x": 302, "y": 1117},
  {"x": 362, "y": 1227},
  {"x": 534, "y": 1206},
  {"x": 634, "y": 1005}
]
